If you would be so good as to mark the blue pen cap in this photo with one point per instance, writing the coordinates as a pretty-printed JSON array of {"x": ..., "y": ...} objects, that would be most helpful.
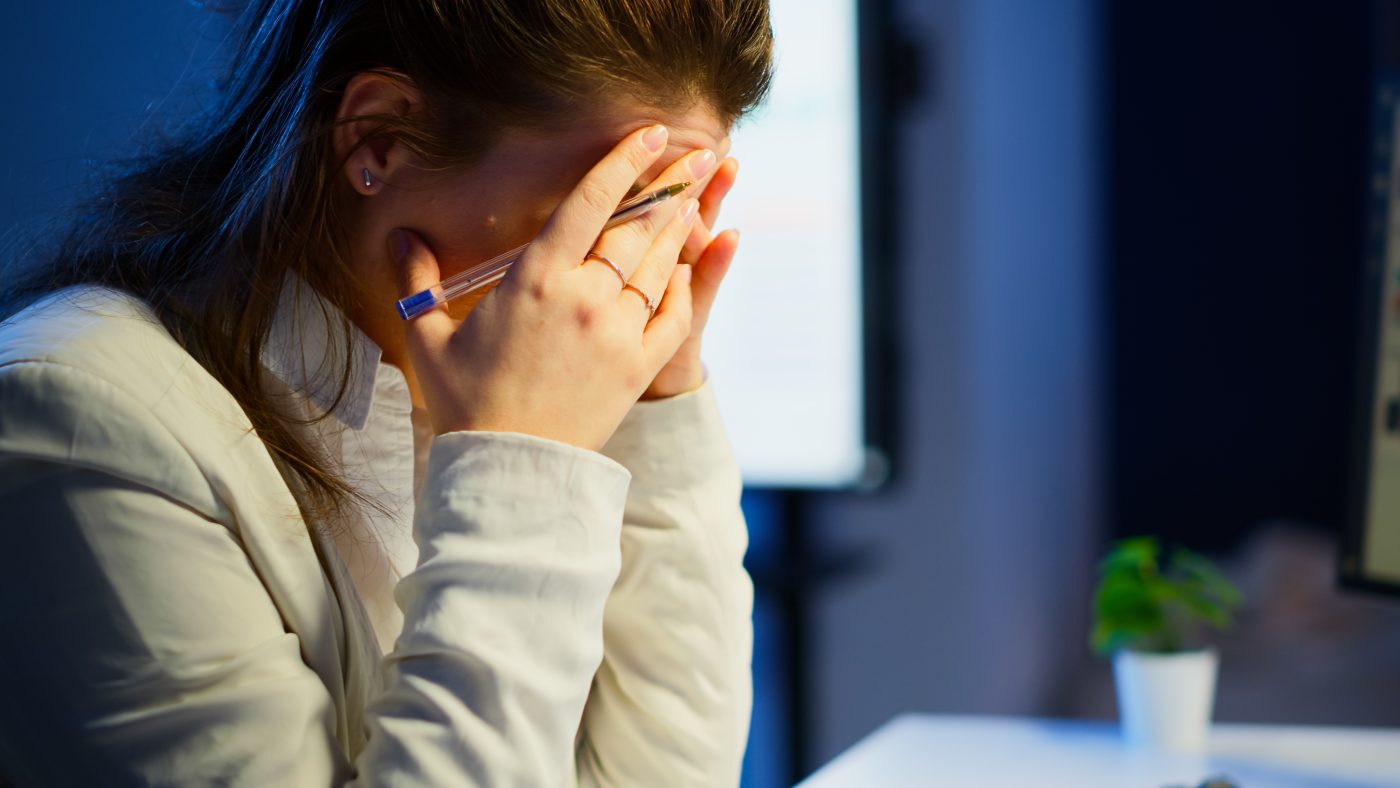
[{"x": 417, "y": 304}]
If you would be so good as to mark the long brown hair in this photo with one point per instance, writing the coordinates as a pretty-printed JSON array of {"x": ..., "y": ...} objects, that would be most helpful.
[{"x": 206, "y": 229}]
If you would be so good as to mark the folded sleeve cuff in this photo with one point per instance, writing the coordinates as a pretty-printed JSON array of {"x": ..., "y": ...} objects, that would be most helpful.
[
  {"x": 674, "y": 442},
  {"x": 519, "y": 546},
  {"x": 535, "y": 482}
]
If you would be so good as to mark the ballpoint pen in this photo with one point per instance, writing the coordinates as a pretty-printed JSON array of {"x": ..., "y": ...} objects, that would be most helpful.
[{"x": 483, "y": 274}]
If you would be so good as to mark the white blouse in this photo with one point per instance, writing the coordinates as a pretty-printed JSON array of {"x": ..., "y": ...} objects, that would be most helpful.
[
  {"x": 563, "y": 616},
  {"x": 371, "y": 431}
]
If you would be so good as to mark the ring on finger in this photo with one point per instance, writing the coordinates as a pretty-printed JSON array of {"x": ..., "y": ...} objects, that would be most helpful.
[
  {"x": 609, "y": 263},
  {"x": 651, "y": 302}
]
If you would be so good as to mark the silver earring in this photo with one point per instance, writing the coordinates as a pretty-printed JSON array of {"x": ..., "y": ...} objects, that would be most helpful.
[{"x": 368, "y": 181}]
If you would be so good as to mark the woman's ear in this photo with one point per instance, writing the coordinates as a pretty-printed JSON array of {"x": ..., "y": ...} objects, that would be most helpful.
[{"x": 370, "y": 160}]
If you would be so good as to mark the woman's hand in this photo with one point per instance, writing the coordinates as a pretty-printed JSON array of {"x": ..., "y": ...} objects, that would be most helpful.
[
  {"x": 560, "y": 349},
  {"x": 709, "y": 258}
]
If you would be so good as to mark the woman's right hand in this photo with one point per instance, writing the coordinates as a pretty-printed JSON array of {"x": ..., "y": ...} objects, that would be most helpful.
[{"x": 560, "y": 350}]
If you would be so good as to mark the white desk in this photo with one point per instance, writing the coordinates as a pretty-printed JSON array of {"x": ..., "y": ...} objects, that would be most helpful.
[{"x": 937, "y": 750}]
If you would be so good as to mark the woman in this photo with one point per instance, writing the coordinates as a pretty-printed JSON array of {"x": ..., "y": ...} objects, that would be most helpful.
[{"x": 258, "y": 530}]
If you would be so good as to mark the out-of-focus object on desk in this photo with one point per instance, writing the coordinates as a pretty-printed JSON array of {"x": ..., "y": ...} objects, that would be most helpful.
[{"x": 991, "y": 752}]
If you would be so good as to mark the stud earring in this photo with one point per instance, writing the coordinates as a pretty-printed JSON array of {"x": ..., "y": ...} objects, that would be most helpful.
[{"x": 368, "y": 181}]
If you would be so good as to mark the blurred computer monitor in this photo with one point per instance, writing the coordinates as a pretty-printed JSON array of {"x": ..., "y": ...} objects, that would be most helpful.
[
  {"x": 785, "y": 341},
  {"x": 1371, "y": 548}
]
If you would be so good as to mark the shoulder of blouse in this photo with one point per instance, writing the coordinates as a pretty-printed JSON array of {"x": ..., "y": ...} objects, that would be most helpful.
[{"x": 90, "y": 377}]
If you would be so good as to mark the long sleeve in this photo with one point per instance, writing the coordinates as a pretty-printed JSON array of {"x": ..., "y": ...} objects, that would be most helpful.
[
  {"x": 671, "y": 702},
  {"x": 503, "y": 618},
  {"x": 143, "y": 646}
]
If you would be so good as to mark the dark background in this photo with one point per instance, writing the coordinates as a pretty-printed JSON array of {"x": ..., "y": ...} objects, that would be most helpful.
[{"x": 1237, "y": 137}]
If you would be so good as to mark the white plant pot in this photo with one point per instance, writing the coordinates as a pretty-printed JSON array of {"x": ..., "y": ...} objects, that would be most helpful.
[{"x": 1165, "y": 700}]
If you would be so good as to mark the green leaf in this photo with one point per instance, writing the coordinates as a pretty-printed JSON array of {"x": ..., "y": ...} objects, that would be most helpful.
[
  {"x": 1199, "y": 569},
  {"x": 1129, "y": 607},
  {"x": 1138, "y": 605},
  {"x": 1207, "y": 610},
  {"x": 1139, "y": 553},
  {"x": 1125, "y": 611}
]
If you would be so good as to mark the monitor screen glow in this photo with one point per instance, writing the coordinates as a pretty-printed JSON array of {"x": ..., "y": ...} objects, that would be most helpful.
[{"x": 784, "y": 343}]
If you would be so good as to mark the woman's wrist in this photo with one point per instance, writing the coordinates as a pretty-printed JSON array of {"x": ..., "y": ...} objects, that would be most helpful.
[
  {"x": 672, "y": 443},
  {"x": 676, "y": 379}
]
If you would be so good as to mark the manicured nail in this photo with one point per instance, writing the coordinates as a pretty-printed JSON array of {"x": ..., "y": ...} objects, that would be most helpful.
[
  {"x": 701, "y": 164},
  {"x": 655, "y": 137},
  {"x": 688, "y": 211}
]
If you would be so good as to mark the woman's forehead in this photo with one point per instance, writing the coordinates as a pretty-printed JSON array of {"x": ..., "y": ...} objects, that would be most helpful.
[
  {"x": 543, "y": 162},
  {"x": 694, "y": 127},
  {"x": 579, "y": 147},
  {"x": 693, "y": 130}
]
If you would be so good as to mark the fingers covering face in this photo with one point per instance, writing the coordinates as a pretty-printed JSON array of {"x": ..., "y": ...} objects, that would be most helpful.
[
  {"x": 710, "y": 200},
  {"x": 628, "y": 243},
  {"x": 572, "y": 228},
  {"x": 672, "y": 323},
  {"x": 655, "y": 270}
]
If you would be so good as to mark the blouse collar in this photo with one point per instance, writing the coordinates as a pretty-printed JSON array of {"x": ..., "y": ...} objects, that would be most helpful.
[{"x": 306, "y": 349}]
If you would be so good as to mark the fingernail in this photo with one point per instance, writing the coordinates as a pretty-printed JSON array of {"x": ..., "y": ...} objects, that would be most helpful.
[
  {"x": 688, "y": 211},
  {"x": 655, "y": 137},
  {"x": 398, "y": 244},
  {"x": 702, "y": 163}
]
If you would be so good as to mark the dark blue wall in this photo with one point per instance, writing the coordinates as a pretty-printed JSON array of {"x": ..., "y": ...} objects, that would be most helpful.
[{"x": 85, "y": 80}]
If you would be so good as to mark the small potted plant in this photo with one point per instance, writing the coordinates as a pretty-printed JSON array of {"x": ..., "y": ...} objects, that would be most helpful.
[{"x": 1152, "y": 619}]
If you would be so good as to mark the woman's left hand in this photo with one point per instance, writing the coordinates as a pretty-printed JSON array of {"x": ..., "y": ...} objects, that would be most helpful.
[{"x": 709, "y": 256}]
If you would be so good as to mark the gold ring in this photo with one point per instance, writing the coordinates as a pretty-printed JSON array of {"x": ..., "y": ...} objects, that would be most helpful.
[
  {"x": 621, "y": 277},
  {"x": 651, "y": 302}
]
